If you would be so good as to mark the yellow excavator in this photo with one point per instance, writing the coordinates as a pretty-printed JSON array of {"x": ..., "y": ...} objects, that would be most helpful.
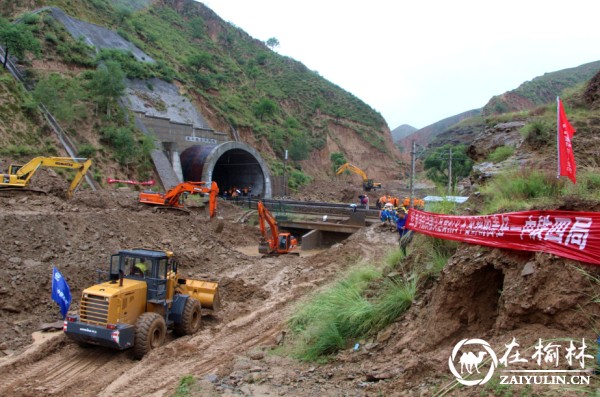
[
  {"x": 142, "y": 298},
  {"x": 19, "y": 176},
  {"x": 368, "y": 184}
]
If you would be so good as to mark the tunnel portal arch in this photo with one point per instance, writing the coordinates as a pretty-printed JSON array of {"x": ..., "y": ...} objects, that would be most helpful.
[{"x": 230, "y": 164}]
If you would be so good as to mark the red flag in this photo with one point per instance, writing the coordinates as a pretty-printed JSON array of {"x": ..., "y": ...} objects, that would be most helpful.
[{"x": 566, "y": 158}]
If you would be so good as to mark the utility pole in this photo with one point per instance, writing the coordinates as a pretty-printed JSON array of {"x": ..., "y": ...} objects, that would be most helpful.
[
  {"x": 413, "y": 154},
  {"x": 450, "y": 174},
  {"x": 284, "y": 173}
]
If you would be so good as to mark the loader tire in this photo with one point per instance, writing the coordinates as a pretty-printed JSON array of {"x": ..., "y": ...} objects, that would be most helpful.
[
  {"x": 150, "y": 332},
  {"x": 190, "y": 318}
]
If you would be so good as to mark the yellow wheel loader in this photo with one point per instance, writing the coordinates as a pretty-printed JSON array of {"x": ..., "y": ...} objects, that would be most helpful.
[{"x": 142, "y": 298}]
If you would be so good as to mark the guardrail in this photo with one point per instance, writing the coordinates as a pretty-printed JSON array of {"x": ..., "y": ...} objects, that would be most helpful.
[{"x": 316, "y": 207}]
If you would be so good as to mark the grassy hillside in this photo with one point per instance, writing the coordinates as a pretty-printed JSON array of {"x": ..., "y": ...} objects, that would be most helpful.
[
  {"x": 538, "y": 92},
  {"x": 239, "y": 80},
  {"x": 541, "y": 90}
]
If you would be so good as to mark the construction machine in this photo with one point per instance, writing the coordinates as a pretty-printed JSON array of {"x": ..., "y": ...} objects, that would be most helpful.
[
  {"x": 277, "y": 243},
  {"x": 368, "y": 184},
  {"x": 142, "y": 298},
  {"x": 174, "y": 198},
  {"x": 19, "y": 176}
]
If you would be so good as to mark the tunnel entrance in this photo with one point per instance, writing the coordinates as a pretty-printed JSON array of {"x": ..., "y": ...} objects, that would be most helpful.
[{"x": 231, "y": 164}]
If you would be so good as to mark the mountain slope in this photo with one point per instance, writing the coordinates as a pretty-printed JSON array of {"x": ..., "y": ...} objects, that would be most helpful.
[
  {"x": 541, "y": 90},
  {"x": 402, "y": 131},
  {"x": 232, "y": 78},
  {"x": 425, "y": 135}
]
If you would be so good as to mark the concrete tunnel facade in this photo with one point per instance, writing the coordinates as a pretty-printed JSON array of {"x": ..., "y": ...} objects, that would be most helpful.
[{"x": 229, "y": 164}]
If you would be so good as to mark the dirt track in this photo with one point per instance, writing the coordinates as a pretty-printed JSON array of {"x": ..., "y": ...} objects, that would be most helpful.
[{"x": 232, "y": 353}]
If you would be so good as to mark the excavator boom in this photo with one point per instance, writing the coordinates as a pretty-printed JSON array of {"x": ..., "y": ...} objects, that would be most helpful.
[
  {"x": 172, "y": 197},
  {"x": 19, "y": 176}
]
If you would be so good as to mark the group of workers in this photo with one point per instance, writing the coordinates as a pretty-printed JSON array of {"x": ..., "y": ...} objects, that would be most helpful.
[
  {"x": 395, "y": 202},
  {"x": 234, "y": 192},
  {"x": 394, "y": 214}
]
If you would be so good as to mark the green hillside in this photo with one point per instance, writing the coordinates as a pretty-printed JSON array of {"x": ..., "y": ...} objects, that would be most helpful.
[
  {"x": 541, "y": 90},
  {"x": 238, "y": 79}
]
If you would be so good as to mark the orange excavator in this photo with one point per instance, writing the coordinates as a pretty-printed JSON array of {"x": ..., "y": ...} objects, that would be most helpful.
[
  {"x": 174, "y": 197},
  {"x": 277, "y": 243}
]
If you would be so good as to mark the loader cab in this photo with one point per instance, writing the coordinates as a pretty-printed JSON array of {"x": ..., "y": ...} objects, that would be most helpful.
[
  {"x": 144, "y": 265},
  {"x": 139, "y": 263}
]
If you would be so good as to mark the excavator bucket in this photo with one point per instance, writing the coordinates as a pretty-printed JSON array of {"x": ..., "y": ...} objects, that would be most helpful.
[
  {"x": 263, "y": 247},
  {"x": 220, "y": 225},
  {"x": 206, "y": 292}
]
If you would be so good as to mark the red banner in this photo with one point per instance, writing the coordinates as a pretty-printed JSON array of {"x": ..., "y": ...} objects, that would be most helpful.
[
  {"x": 569, "y": 234},
  {"x": 566, "y": 158},
  {"x": 130, "y": 182}
]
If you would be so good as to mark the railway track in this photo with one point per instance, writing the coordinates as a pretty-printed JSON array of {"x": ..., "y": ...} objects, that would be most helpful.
[{"x": 306, "y": 207}]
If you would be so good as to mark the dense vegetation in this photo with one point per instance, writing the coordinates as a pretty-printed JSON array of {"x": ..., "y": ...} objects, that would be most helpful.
[{"x": 241, "y": 79}]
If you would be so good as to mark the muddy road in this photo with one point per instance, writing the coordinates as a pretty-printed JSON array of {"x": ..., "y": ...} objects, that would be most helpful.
[{"x": 78, "y": 236}]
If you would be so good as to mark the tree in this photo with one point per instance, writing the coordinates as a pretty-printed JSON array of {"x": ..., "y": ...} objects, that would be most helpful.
[
  {"x": 123, "y": 13},
  {"x": 107, "y": 84},
  {"x": 337, "y": 160},
  {"x": 265, "y": 107},
  {"x": 199, "y": 61},
  {"x": 437, "y": 164},
  {"x": 299, "y": 148},
  {"x": 272, "y": 43},
  {"x": 17, "y": 40},
  {"x": 62, "y": 96},
  {"x": 197, "y": 27}
]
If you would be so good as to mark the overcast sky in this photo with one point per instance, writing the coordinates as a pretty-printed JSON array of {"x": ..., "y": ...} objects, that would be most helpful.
[{"x": 417, "y": 62}]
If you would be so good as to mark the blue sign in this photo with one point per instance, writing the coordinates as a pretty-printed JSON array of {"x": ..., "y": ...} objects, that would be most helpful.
[{"x": 61, "y": 293}]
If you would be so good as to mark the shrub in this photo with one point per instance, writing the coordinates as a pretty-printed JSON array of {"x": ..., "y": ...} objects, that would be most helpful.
[
  {"x": 299, "y": 148},
  {"x": 343, "y": 312},
  {"x": 337, "y": 160},
  {"x": 122, "y": 140},
  {"x": 537, "y": 133},
  {"x": 298, "y": 178},
  {"x": 501, "y": 153},
  {"x": 323, "y": 324},
  {"x": 87, "y": 150},
  {"x": 30, "y": 19},
  {"x": 187, "y": 386},
  {"x": 520, "y": 190}
]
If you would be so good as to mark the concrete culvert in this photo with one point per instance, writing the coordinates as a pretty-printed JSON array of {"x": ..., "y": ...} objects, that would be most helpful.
[{"x": 230, "y": 164}]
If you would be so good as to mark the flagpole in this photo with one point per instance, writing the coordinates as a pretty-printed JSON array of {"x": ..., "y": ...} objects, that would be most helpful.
[{"x": 558, "y": 136}]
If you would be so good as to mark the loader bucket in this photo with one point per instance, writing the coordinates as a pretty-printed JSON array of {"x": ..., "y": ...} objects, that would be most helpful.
[{"x": 206, "y": 292}]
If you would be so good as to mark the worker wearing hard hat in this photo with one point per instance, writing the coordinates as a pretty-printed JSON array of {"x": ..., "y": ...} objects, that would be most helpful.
[{"x": 140, "y": 268}]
